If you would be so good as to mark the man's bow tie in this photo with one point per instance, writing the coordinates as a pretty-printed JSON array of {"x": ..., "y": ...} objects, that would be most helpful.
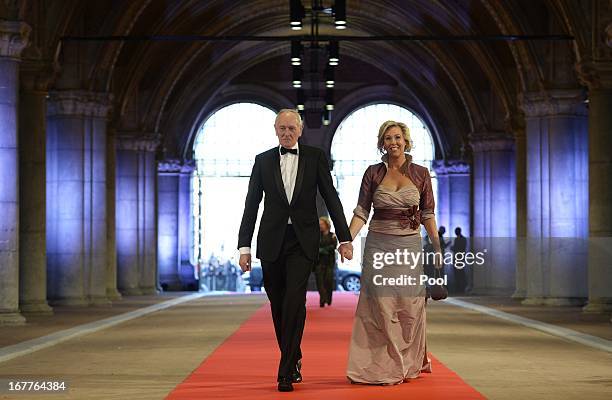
[{"x": 285, "y": 150}]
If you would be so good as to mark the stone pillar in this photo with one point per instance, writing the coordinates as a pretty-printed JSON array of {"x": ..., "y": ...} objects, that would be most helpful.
[
  {"x": 111, "y": 235},
  {"x": 597, "y": 74},
  {"x": 76, "y": 197},
  {"x": 494, "y": 211},
  {"x": 13, "y": 39},
  {"x": 185, "y": 219},
  {"x": 520, "y": 290},
  {"x": 136, "y": 222},
  {"x": 95, "y": 189},
  {"x": 173, "y": 221},
  {"x": 600, "y": 201},
  {"x": 453, "y": 206},
  {"x": 148, "y": 216},
  {"x": 557, "y": 195},
  {"x": 35, "y": 77},
  {"x": 127, "y": 219}
]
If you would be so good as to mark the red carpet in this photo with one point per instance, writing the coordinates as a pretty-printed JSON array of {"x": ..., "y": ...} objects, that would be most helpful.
[{"x": 245, "y": 365}]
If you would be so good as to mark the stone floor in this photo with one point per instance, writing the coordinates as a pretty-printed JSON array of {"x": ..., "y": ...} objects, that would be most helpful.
[
  {"x": 146, "y": 357},
  {"x": 568, "y": 317},
  {"x": 68, "y": 317}
]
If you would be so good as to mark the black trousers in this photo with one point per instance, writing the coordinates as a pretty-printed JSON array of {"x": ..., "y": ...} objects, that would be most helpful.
[
  {"x": 324, "y": 274},
  {"x": 286, "y": 280}
]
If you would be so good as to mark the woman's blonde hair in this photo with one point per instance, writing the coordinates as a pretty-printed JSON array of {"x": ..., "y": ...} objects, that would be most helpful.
[
  {"x": 326, "y": 221},
  {"x": 391, "y": 124}
]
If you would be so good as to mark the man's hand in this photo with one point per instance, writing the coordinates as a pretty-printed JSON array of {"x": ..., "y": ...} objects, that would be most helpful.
[
  {"x": 245, "y": 262},
  {"x": 346, "y": 251}
]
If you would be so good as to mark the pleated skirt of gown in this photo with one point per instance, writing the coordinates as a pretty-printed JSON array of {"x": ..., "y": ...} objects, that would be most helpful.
[{"x": 388, "y": 343}]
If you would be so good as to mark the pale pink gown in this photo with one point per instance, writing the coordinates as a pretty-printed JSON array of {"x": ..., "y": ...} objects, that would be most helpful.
[{"x": 388, "y": 343}]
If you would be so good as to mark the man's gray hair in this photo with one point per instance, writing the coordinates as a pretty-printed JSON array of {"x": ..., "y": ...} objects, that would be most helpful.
[{"x": 293, "y": 111}]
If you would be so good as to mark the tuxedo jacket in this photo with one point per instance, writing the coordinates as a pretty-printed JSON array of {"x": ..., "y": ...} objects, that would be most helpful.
[{"x": 312, "y": 174}]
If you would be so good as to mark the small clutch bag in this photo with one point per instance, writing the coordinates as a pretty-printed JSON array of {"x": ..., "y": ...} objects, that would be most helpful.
[{"x": 438, "y": 292}]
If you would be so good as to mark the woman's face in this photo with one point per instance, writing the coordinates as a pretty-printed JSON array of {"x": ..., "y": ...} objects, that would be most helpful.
[
  {"x": 322, "y": 226},
  {"x": 394, "y": 142}
]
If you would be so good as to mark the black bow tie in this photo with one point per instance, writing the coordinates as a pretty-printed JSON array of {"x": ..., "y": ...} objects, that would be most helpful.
[{"x": 285, "y": 150}]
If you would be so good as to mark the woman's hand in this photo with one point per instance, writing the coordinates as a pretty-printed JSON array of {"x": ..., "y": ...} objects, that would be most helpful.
[{"x": 438, "y": 259}]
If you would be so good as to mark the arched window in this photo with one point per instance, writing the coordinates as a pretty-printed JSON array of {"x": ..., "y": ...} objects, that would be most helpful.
[
  {"x": 354, "y": 149},
  {"x": 225, "y": 150}
]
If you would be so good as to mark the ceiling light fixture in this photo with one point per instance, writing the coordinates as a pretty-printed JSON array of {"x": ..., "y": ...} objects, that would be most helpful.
[
  {"x": 329, "y": 77},
  {"x": 326, "y": 117},
  {"x": 297, "y": 76},
  {"x": 339, "y": 11},
  {"x": 300, "y": 100},
  {"x": 296, "y": 52},
  {"x": 329, "y": 99},
  {"x": 334, "y": 53},
  {"x": 296, "y": 11}
]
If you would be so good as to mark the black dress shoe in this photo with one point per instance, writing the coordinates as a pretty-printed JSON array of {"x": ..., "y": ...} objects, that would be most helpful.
[
  {"x": 284, "y": 385},
  {"x": 296, "y": 375}
]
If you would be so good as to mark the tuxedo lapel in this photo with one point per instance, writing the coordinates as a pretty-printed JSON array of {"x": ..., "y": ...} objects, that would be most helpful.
[
  {"x": 278, "y": 179},
  {"x": 300, "y": 176}
]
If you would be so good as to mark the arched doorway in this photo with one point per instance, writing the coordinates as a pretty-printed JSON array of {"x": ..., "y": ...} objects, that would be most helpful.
[
  {"x": 224, "y": 151},
  {"x": 354, "y": 149}
]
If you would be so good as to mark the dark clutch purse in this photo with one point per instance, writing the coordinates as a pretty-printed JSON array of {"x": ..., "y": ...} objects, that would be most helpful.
[{"x": 438, "y": 292}]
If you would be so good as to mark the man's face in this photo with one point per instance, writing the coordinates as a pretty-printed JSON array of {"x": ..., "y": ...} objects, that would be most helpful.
[{"x": 287, "y": 130}]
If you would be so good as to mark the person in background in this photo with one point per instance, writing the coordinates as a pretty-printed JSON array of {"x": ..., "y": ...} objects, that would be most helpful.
[
  {"x": 443, "y": 243},
  {"x": 324, "y": 269},
  {"x": 459, "y": 246}
]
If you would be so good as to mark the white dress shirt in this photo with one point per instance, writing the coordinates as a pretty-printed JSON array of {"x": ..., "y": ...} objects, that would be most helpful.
[{"x": 288, "y": 168}]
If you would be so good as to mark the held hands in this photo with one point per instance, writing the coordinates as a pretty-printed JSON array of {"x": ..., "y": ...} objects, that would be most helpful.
[
  {"x": 245, "y": 262},
  {"x": 346, "y": 251}
]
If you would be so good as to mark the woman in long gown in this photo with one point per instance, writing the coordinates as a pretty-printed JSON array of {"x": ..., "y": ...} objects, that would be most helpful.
[{"x": 388, "y": 343}]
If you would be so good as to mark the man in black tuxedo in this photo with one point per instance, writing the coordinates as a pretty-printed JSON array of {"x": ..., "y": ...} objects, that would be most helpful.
[{"x": 288, "y": 237}]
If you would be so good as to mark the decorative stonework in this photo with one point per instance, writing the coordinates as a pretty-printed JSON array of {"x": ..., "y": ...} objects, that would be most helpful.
[
  {"x": 14, "y": 36},
  {"x": 79, "y": 103},
  {"x": 595, "y": 74},
  {"x": 36, "y": 75},
  {"x": 595, "y": 65},
  {"x": 495, "y": 141},
  {"x": 135, "y": 143},
  {"x": 175, "y": 166},
  {"x": 553, "y": 103},
  {"x": 451, "y": 167},
  {"x": 601, "y": 30}
]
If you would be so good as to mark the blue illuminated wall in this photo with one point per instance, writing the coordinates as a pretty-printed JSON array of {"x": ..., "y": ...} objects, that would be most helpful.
[
  {"x": 9, "y": 192},
  {"x": 174, "y": 219},
  {"x": 453, "y": 202},
  {"x": 76, "y": 197},
  {"x": 557, "y": 198},
  {"x": 494, "y": 213},
  {"x": 136, "y": 216}
]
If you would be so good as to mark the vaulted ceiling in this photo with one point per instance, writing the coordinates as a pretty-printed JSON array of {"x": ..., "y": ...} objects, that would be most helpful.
[{"x": 168, "y": 88}]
